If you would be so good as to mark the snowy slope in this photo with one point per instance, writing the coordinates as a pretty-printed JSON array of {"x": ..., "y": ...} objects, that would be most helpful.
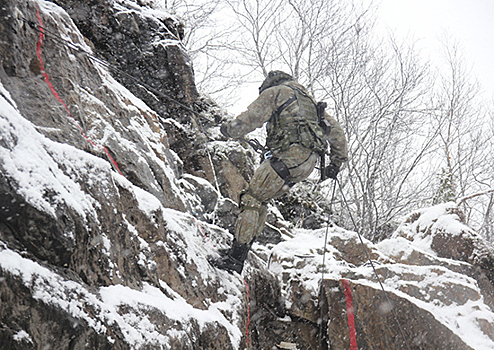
[
  {"x": 407, "y": 267},
  {"x": 38, "y": 165},
  {"x": 89, "y": 255}
]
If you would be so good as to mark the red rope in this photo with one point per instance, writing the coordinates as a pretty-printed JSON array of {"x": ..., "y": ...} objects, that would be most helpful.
[
  {"x": 350, "y": 313},
  {"x": 57, "y": 96},
  {"x": 248, "y": 312}
]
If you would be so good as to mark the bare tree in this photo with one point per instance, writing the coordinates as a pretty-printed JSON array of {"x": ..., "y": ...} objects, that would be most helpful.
[
  {"x": 375, "y": 93},
  {"x": 292, "y": 35},
  {"x": 381, "y": 92},
  {"x": 478, "y": 201},
  {"x": 379, "y": 95},
  {"x": 463, "y": 142},
  {"x": 260, "y": 21},
  {"x": 207, "y": 38}
]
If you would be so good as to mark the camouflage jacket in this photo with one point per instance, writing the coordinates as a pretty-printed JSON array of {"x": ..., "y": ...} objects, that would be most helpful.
[{"x": 261, "y": 110}]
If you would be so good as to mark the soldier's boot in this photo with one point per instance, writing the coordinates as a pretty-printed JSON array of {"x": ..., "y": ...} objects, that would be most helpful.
[
  {"x": 249, "y": 222},
  {"x": 232, "y": 260}
]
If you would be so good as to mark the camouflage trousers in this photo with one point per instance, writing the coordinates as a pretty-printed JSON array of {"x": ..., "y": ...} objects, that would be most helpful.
[{"x": 267, "y": 184}]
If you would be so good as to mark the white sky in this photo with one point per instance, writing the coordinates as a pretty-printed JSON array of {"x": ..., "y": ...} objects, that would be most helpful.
[{"x": 469, "y": 22}]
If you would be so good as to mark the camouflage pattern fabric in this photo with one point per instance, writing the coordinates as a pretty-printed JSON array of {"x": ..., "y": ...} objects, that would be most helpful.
[
  {"x": 298, "y": 123},
  {"x": 260, "y": 111},
  {"x": 266, "y": 183}
]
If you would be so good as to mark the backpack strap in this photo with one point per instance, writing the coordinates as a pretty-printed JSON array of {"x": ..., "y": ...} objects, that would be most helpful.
[
  {"x": 275, "y": 117},
  {"x": 302, "y": 127},
  {"x": 281, "y": 108}
]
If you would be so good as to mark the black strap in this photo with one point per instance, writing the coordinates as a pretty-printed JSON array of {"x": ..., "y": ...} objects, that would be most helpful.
[
  {"x": 305, "y": 161},
  {"x": 281, "y": 108},
  {"x": 282, "y": 170},
  {"x": 321, "y": 106}
]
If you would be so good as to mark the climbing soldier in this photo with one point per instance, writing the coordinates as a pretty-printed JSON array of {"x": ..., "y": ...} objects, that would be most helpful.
[{"x": 295, "y": 140}]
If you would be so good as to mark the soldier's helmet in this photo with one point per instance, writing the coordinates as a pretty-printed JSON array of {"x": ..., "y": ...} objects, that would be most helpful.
[{"x": 275, "y": 77}]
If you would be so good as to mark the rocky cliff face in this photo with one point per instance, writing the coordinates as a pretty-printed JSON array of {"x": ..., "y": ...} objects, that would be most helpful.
[
  {"x": 112, "y": 196},
  {"x": 431, "y": 300}
]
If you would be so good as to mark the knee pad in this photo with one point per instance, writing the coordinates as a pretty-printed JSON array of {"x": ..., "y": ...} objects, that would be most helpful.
[{"x": 249, "y": 201}]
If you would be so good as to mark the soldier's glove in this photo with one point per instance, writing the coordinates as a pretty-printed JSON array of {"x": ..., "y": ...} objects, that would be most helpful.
[
  {"x": 331, "y": 171},
  {"x": 224, "y": 130}
]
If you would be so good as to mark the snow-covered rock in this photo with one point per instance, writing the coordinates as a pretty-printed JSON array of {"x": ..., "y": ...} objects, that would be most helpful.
[
  {"x": 113, "y": 196},
  {"x": 438, "y": 302}
]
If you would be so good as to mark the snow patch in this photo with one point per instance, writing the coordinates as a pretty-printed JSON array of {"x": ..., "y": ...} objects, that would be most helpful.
[
  {"x": 22, "y": 335},
  {"x": 454, "y": 299},
  {"x": 104, "y": 308}
]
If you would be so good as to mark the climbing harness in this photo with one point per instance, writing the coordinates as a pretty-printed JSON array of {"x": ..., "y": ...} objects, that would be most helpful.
[
  {"x": 318, "y": 129},
  {"x": 282, "y": 170},
  {"x": 279, "y": 167},
  {"x": 264, "y": 151}
]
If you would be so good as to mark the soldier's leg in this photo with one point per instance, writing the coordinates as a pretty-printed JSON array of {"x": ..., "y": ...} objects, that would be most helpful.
[
  {"x": 300, "y": 162},
  {"x": 265, "y": 184},
  {"x": 272, "y": 179}
]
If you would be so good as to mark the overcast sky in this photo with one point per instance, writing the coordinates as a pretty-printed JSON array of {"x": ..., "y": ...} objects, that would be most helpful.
[{"x": 469, "y": 22}]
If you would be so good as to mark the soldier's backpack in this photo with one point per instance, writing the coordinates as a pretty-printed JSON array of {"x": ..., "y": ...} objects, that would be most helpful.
[{"x": 308, "y": 127}]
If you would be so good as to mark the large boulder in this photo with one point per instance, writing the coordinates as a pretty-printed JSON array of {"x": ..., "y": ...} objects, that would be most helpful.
[
  {"x": 99, "y": 243},
  {"x": 432, "y": 299},
  {"x": 443, "y": 232},
  {"x": 142, "y": 45}
]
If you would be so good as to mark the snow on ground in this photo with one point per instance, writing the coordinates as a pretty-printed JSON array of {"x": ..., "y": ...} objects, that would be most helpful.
[
  {"x": 453, "y": 298},
  {"x": 37, "y": 166},
  {"x": 33, "y": 161},
  {"x": 441, "y": 217},
  {"x": 102, "y": 308},
  {"x": 74, "y": 297}
]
